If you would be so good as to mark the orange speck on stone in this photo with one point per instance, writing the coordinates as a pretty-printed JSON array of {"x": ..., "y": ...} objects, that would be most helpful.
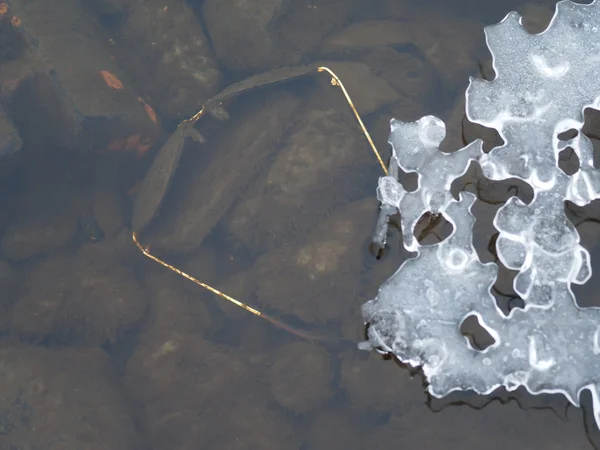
[
  {"x": 140, "y": 146},
  {"x": 132, "y": 143},
  {"x": 142, "y": 149},
  {"x": 3, "y": 8},
  {"x": 116, "y": 144},
  {"x": 15, "y": 21},
  {"x": 149, "y": 110},
  {"x": 111, "y": 80}
]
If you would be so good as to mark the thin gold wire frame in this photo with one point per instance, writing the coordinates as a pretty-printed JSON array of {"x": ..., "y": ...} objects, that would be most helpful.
[{"x": 335, "y": 81}]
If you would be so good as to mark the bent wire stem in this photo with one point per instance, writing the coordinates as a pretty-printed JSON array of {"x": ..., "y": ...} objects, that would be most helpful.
[{"x": 335, "y": 81}]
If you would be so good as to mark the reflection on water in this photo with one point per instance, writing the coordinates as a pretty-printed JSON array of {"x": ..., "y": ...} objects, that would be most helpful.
[{"x": 105, "y": 349}]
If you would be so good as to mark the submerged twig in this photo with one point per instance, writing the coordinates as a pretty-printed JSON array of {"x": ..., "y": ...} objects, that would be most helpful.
[
  {"x": 215, "y": 101},
  {"x": 272, "y": 320}
]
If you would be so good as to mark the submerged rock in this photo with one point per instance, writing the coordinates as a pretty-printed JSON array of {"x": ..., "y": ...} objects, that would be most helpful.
[
  {"x": 319, "y": 168},
  {"x": 205, "y": 190},
  {"x": 45, "y": 211},
  {"x": 165, "y": 51},
  {"x": 68, "y": 90},
  {"x": 370, "y": 33},
  {"x": 337, "y": 427},
  {"x": 378, "y": 386},
  {"x": 314, "y": 280},
  {"x": 452, "y": 50},
  {"x": 38, "y": 232},
  {"x": 251, "y": 422},
  {"x": 84, "y": 297},
  {"x": 10, "y": 144},
  {"x": 182, "y": 380},
  {"x": 301, "y": 377},
  {"x": 61, "y": 399},
  {"x": 264, "y": 34}
]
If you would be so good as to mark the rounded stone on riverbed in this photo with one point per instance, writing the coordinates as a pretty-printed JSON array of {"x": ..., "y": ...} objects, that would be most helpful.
[
  {"x": 264, "y": 34},
  {"x": 301, "y": 377},
  {"x": 379, "y": 386},
  {"x": 84, "y": 297},
  {"x": 61, "y": 398},
  {"x": 315, "y": 279}
]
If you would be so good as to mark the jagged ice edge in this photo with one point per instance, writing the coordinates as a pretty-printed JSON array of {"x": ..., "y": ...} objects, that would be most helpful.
[{"x": 543, "y": 83}]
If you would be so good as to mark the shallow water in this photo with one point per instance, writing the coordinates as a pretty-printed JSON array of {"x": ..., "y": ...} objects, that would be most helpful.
[{"x": 106, "y": 349}]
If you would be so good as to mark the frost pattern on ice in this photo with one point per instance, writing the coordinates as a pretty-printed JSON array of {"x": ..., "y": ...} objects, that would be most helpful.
[{"x": 543, "y": 83}]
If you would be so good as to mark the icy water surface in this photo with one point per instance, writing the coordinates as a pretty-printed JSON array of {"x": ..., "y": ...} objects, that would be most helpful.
[{"x": 103, "y": 348}]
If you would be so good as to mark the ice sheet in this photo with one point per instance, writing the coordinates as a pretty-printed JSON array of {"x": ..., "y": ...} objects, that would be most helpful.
[{"x": 543, "y": 83}]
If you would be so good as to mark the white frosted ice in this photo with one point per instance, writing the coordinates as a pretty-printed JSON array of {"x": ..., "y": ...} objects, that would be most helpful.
[{"x": 543, "y": 84}]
